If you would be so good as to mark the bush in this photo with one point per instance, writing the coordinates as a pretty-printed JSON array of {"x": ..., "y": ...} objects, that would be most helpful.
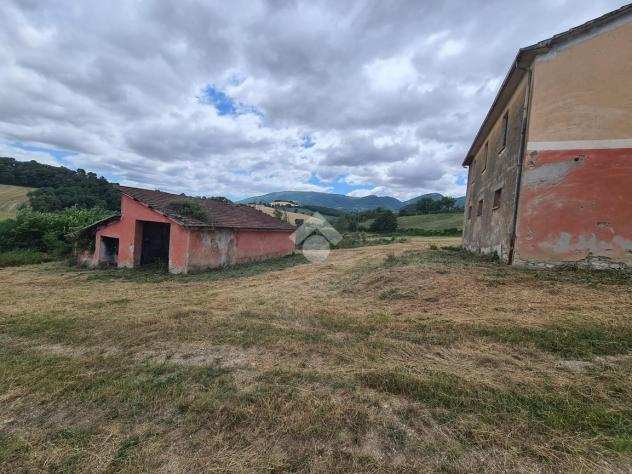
[
  {"x": 189, "y": 209},
  {"x": 384, "y": 222},
  {"x": 16, "y": 258},
  {"x": 45, "y": 231}
]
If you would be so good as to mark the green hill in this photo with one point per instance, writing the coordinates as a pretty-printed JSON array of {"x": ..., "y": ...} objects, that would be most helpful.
[
  {"x": 442, "y": 221},
  {"x": 432, "y": 221},
  {"x": 11, "y": 197}
]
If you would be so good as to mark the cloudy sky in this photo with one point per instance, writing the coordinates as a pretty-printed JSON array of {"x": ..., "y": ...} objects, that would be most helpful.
[{"x": 239, "y": 98}]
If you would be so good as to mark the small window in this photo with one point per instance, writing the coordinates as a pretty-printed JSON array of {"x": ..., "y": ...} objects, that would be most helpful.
[
  {"x": 469, "y": 212},
  {"x": 498, "y": 198},
  {"x": 485, "y": 154},
  {"x": 505, "y": 132},
  {"x": 479, "y": 210}
]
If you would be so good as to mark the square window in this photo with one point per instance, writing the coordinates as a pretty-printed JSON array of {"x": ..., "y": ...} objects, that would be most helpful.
[{"x": 498, "y": 198}]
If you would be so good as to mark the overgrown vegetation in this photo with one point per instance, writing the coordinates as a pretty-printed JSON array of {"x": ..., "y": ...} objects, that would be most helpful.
[
  {"x": 190, "y": 209},
  {"x": 156, "y": 274},
  {"x": 385, "y": 222},
  {"x": 15, "y": 258},
  {"x": 45, "y": 232}
]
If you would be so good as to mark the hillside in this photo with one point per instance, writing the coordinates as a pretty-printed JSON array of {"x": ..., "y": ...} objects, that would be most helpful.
[
  {"x": 432, "y": 221},
  {"x": 11, "y": 197},
  {"x": 441, "y": 221},
  {"x": 340, "y": 201},
  {"x": 59, "y": 188},
  {"x": 291, "y": 216}
]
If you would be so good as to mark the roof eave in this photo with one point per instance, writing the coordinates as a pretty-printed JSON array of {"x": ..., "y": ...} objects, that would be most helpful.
[{"x": 524, "y": 59}]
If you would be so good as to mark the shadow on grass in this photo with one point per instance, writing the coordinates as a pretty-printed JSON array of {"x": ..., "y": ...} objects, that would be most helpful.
[
  {"x": 157, "y": 274},
  {"x": 500, "y": 273}
]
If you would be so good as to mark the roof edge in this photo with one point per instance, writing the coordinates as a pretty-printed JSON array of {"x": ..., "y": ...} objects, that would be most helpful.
[{"x": 524, "y": 59}]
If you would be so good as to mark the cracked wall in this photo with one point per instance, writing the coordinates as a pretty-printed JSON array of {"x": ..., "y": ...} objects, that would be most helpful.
[{"x": 491, "y": 232}]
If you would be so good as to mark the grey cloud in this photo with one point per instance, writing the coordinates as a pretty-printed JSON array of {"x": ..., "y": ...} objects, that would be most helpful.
[
  {"x": 117, "y": 82},
  {"x": 363, "y": 151}
]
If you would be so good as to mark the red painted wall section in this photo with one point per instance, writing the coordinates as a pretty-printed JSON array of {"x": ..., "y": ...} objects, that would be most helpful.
[
  {"x": 178, "y": 249},
  {"x": 257, "y": 245},
  {"x": 576, "y": 206}
]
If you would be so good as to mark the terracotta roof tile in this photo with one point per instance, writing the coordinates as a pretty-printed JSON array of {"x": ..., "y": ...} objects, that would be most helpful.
[{"x": 221, "y": 214}]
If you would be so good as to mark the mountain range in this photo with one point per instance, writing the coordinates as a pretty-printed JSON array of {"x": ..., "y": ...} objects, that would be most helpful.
[{"x": 342, "y": 202}]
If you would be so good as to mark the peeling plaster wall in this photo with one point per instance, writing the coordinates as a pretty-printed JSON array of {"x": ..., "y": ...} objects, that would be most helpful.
[
  {"x": 491, "y": 232},
  {"x": 211, "y": 249},
  {"x": 259, "y": 245},
  {"x": 575, "y": 206},
  {"x": 576, "y": 195}
]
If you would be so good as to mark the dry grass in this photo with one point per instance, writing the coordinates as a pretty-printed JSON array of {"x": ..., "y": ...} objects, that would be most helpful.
[
  {"x": 390, "y": 358},
  {"x": 11, "y": 198}
]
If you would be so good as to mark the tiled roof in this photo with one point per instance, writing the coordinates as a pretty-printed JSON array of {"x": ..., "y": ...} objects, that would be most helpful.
[{"x": 220, "y": 214}]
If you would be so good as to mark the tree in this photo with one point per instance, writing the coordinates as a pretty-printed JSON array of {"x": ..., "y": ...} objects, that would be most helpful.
[{"x": 385, "y": 222}]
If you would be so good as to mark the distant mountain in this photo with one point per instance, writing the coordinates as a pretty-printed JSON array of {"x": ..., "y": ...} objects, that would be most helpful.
[
  {"x": 340, "y": 201},
  {"x": 433, "y": 196}
]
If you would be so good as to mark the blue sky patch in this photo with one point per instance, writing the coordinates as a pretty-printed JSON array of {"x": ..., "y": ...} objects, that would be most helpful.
[
  {"x": 226, "y": 105},
  {"x": 307, "y": 141}
]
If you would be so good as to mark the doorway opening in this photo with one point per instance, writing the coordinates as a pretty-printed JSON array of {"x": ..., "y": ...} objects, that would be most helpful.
[
  {"x": 109, "y": 250},
  {"x": 155, "y": 249}
]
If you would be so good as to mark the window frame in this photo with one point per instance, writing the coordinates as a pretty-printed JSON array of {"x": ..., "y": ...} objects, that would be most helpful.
[
  {"x": 504, "y": 132},
  {"x": 498, "y": 199}
]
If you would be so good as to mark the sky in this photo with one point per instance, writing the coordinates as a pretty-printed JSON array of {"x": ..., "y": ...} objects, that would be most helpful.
[{"x": 240, "y": 98}]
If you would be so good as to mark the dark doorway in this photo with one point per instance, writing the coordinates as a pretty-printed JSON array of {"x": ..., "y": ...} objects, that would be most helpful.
[
  {"x": 109, "y": 250},
  {"x": 155, "y": 244}
]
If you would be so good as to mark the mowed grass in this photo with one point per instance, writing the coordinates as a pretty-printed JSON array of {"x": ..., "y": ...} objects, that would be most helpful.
[
  {"x": 11, "y": 198},
  {"x": 441, "y": 221},
  {"x": 408, "y": 357}
]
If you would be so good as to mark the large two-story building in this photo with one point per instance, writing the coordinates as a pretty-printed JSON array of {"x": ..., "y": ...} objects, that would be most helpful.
[{"x": 550, "y": 170}]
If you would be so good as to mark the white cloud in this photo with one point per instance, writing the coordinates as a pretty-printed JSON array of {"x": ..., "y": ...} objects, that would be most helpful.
[{"x": 389, "y": 95}]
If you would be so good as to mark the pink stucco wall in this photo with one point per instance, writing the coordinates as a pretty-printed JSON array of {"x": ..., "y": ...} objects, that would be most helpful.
[
  {"x": 189, "y": 250},
  {"x": 255, "y": 245}
]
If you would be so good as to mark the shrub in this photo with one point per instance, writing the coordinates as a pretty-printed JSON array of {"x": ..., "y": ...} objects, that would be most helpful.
[
  {"x": 189, "y": 209},
  {"x": 45, "y": 231},
  {"x": 385, "y": 222},
  {"x": 16, "y": 258}
]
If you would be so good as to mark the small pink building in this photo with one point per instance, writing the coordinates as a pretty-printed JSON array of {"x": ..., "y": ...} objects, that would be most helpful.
[{"x": 185, "y": 233}]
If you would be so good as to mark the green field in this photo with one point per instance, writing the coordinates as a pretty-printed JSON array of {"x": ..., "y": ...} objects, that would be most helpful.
[
  {"x": 448, "y": 220},
  {"x": 432, "y": 221},
  {"x": 11, "y": 197}
]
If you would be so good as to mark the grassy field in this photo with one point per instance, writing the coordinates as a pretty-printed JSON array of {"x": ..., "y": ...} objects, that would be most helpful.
[
  {"x": 407, "y": 357},
  {"x": 432, "y": 221},
  {"x": 448, "y": 220},
  {"x": 11, "y": 197}
]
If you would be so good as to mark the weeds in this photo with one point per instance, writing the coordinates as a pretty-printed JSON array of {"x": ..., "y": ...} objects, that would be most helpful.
[
  {"x": 158, "y": 274},
  {"x": 16, "y": 258}
]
